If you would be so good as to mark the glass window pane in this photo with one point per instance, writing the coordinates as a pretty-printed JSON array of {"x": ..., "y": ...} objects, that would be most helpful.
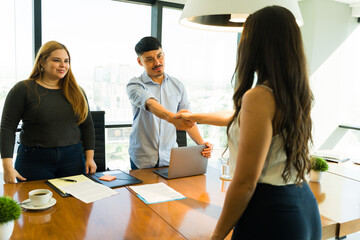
[
  {"x": 117, "y": 145},
  {"x": 15, "y": 46},
  {"x": 204, "y": 61},
  {"x": 100, "y": 35},
  {"x": 7, "y": 48}
]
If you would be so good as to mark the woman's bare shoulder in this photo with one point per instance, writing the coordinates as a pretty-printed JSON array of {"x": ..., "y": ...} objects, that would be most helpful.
[{"x": 259, "y": 98}]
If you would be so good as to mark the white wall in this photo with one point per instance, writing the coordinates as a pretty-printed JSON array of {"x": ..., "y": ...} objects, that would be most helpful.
[
  {"x": 332, "y": 44},
  {"x": 326, "y": 25}
]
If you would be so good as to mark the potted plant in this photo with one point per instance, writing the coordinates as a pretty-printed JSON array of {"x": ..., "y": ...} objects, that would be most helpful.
[
  {"x": 318, "y": 166},
  {"x": 10, "y": 210}
]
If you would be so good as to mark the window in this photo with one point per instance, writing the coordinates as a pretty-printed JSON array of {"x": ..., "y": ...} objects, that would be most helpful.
[
  {"x": 101, "y": 36},
  {"x": 205, "y": 62},
  {"x": 16, "y": 61}
]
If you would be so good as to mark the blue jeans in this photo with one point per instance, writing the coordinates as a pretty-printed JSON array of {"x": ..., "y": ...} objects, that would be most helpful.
[{"x": 37, "y": 163}]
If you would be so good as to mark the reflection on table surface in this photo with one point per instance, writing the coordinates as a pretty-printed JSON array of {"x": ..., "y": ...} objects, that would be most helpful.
[
  {"x": 339, "y": 200},
  {"x": 122, "y": 216},
  {"x": 346, "y": 169},
  {"x": 196, "y": 216},
  {"x": 125, "y": 216}
]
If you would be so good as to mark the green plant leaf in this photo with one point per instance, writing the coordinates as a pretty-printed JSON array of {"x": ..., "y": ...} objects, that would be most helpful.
[
  {"x": 9, "y": 209},
  {"x": 319, "y": 164}
]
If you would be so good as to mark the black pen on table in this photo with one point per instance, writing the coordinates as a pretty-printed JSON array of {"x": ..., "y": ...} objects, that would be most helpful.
[{"x": 67, "y": 180}]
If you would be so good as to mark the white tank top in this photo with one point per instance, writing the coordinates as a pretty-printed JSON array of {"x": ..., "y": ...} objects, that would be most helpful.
[{"x": 275, "y": 159}]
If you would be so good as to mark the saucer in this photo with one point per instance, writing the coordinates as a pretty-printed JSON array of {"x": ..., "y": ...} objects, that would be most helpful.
[{"x": 27, "y": 204}]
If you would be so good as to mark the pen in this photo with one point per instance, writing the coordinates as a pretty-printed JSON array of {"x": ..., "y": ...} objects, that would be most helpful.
[{"x": 67, "y": 180}]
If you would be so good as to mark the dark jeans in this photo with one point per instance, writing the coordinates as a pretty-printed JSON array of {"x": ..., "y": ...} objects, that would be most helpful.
[
  {"x": 281, "y": 213},
  {"x": 134, "y": 167},
  {"x": 36, "y": 163}
]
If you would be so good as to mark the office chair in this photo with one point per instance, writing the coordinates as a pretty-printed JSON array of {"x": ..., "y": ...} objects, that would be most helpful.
[
  {"x": 181, "y": 138},
  {"x": 99, "y": 125}
]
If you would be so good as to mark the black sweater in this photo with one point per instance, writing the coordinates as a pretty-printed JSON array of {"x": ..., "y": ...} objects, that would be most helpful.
[{"x": 48, "y": 119}]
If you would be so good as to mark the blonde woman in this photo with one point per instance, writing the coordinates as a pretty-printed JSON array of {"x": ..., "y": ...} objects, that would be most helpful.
[{"x": 56, "y": 123}]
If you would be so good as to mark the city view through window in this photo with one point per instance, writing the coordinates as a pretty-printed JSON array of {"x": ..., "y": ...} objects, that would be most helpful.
[{"x": 103, "y": 60}]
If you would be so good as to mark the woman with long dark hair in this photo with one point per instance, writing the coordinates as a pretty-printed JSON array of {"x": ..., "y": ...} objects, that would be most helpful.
[
  {"x": 56, "y": 123},
  {"x": 269, "y": 133}
]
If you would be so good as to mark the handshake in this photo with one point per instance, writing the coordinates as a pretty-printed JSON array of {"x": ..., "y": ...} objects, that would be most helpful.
[{"x": 182, "y": 120}]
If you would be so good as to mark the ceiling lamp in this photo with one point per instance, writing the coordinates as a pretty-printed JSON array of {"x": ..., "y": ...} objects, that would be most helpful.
[{"x": 229, "y": 15}]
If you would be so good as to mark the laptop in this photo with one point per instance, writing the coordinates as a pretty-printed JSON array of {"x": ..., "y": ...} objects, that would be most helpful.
[{"x": 184, "y": 162}]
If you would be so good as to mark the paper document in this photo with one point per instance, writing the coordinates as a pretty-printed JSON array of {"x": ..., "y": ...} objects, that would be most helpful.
[
  {"x": 59, "y": 182},
  {"x": 156, "y": 193},
  {"x": 88, "y": 191}
]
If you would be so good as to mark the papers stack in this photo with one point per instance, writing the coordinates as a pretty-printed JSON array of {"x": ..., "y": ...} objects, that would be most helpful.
[
  {"x": 156, "y": 193},
  {"x": 88, "y": 191},
  {"x": 81, "y": 187},
  {"x": 331, "y": 155}
]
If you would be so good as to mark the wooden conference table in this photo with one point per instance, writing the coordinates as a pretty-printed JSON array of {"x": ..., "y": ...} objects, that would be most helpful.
[
  {"x": 124, "y": 216},
  {"x": 338, "y": 196}
]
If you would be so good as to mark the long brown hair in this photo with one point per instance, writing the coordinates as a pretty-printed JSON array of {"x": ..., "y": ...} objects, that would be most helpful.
[
  {"x": 70, "y": 88},
  {"x": 271, "y": 46}
]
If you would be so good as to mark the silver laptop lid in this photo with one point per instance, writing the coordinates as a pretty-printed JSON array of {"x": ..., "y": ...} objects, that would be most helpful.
[{"x": 187, "y": 161}]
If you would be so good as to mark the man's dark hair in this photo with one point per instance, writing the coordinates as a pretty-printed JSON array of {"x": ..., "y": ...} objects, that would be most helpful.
[{"x": 147, "y": 44}]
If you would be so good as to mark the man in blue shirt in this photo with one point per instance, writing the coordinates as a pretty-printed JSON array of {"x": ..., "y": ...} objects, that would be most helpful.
[{"x": 155, "y": 98}]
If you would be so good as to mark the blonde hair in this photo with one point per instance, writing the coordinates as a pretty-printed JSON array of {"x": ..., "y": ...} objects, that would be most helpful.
[{"x": 70, "y": 88}]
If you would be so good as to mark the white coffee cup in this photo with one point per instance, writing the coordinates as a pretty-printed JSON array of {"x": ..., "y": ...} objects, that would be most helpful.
[{"x": 40, "y": 197}]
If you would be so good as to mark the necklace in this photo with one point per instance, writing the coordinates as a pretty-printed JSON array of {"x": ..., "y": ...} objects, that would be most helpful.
[{"x": 49, "y": 85}]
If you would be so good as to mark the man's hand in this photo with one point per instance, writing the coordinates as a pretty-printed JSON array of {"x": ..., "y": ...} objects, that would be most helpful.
[
  {"x": 207, "y": 151},
  {"x": 184, "y": 114},
  {"x": 181, "y": 124}
]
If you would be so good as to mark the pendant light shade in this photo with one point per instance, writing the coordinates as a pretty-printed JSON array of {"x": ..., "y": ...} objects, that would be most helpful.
[{"x": 229, "y": 15}]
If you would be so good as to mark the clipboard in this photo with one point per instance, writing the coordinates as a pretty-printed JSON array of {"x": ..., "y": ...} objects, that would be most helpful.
[
  {"x": 57, "y": 190},
  {"x": 122, "y": 178},
  {"x": 57, "y": 183}
]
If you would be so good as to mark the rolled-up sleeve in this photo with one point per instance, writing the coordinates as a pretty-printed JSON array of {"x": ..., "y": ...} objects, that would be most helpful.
[{"x": 138, "y": 93}]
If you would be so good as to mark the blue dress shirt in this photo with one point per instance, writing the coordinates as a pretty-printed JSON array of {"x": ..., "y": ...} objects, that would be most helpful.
[{"x": 152, "y": 138}]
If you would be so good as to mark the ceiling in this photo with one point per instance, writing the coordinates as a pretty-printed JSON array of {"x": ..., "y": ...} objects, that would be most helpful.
[{"x": 354, "y": 4}]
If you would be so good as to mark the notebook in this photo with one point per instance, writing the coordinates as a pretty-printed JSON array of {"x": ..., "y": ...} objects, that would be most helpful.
[
  {"x": 122, "y": 178},
  {"x": 184, "y": 162}
]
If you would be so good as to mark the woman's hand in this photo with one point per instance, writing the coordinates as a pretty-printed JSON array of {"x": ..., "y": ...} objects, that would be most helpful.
[
  {"x": 207, "y": 151},
  {"x": 90, "y": 166},
  {"x": 10, "y": 175},
  {"x": 184, "y": 114}
]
